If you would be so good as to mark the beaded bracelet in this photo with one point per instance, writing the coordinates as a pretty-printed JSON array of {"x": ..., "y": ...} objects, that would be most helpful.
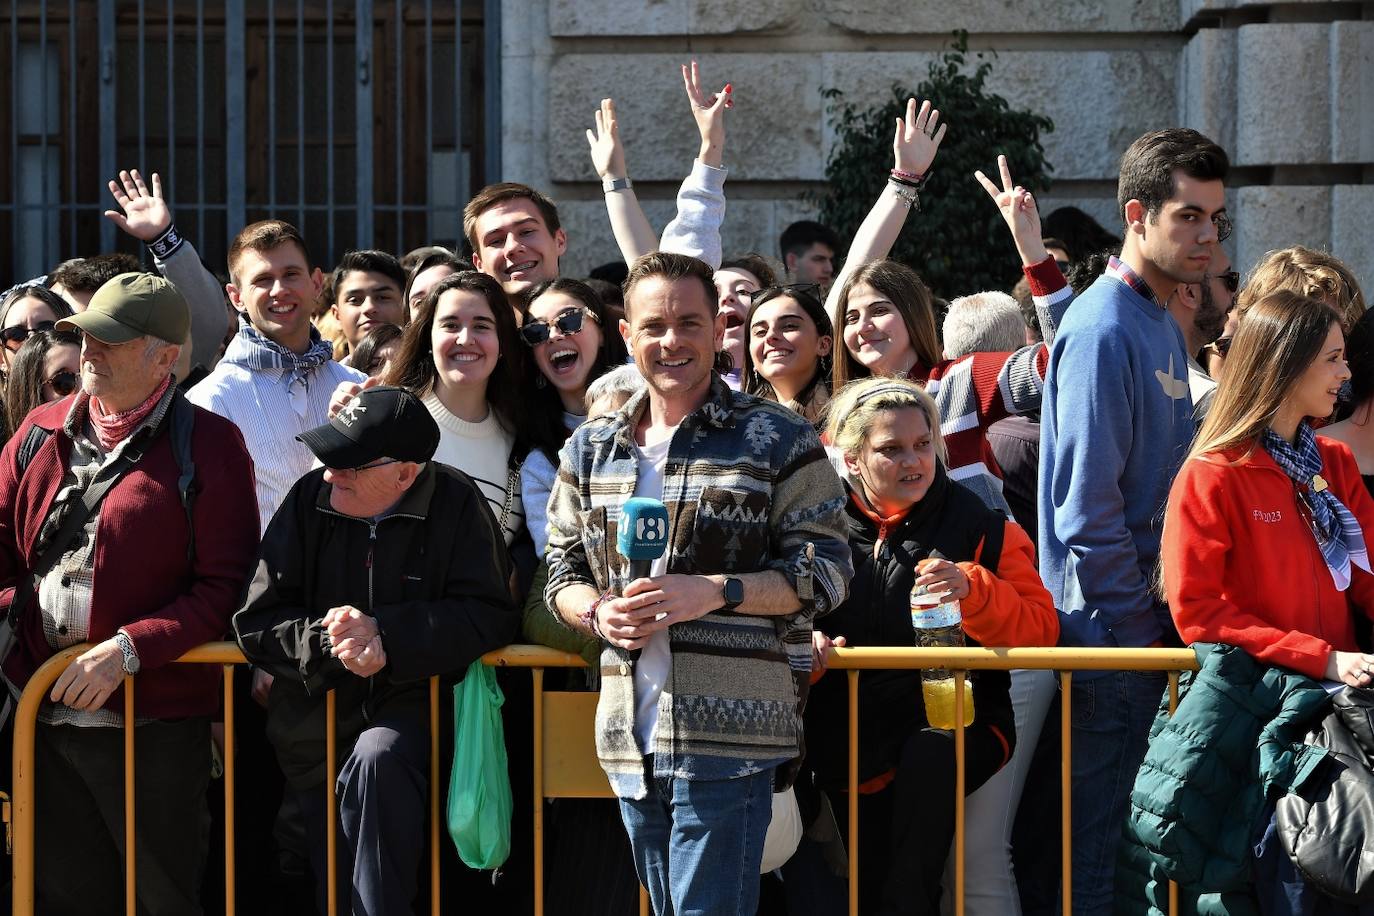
[{"x": 910, "y": 179}]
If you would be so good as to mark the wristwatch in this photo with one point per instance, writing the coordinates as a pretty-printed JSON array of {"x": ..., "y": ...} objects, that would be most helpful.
[
  {"x": 126, "y": 647},
  {"x": 734, "y": 593},
  {"x": 616, "y": 184}
]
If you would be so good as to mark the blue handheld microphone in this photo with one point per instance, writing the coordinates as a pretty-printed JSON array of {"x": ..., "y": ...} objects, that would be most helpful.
[{"x": 643, "y": 534}]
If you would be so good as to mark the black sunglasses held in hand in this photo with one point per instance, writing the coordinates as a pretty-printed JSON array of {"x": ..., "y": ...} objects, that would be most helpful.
[
  {"x": 536, "y": 330},
  {"x": 1231, "y": 279}
]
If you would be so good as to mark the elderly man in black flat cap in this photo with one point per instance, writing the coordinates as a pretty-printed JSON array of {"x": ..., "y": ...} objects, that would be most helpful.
[{"x": 380, "y": 570}]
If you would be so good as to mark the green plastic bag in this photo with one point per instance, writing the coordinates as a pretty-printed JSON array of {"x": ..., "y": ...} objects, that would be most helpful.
[{"x": 479, "y": 797}]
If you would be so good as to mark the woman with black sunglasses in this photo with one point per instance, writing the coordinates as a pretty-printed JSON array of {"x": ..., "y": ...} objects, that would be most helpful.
[
  {"x": 25, "y": 310},
  {"x": 572, "y": 343},
  {"x": 46, "y": 368},
  {"x": 788, "y": 345}
]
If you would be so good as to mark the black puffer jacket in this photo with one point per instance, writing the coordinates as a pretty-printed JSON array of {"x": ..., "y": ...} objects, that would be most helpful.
[
  {"x": 1013, "y": 604},
  {"x": 434, "y": 573},
  {"x": 1327, "y": 824}
]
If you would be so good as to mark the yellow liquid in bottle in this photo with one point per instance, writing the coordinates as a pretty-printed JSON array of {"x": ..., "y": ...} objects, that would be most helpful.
[{"x": 939, "y": 697}]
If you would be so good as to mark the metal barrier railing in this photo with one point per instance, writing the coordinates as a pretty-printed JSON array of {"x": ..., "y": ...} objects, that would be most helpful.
[
  {"x": 960, "y": 661},
  {"x": 537, "y": 658}
]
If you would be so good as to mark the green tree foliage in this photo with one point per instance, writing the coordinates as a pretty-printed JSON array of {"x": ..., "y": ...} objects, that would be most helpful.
[{"x": 958, "y": 241}]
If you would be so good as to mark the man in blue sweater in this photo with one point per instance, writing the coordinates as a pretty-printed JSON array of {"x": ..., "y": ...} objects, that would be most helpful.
[{"x": 1116, "y": 424}]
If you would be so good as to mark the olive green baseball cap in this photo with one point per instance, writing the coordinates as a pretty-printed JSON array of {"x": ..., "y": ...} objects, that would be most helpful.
[{"x": 131, "y": 306}]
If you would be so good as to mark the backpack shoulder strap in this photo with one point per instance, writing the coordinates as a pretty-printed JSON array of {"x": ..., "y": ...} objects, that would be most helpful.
[
  {"x": 33, "y": 441},
  {"x": 183, "y": 423}
]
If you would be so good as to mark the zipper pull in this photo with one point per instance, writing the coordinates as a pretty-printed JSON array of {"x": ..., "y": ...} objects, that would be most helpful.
[{"x": 371, "y": 543}]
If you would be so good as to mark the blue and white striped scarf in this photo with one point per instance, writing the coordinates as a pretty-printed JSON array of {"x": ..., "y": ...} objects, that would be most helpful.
[
  {"x": 1335, "y": 528},
  {"x": 252, "y": 350}
]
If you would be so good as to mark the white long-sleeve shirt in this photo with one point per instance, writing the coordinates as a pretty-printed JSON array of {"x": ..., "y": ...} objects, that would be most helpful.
[
  {"x": 695, "y": 230},
  {"x": 270, "y": 416}
]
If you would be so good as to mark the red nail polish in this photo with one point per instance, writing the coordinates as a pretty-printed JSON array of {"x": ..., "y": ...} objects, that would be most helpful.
[{"x": 729, "y": 87}]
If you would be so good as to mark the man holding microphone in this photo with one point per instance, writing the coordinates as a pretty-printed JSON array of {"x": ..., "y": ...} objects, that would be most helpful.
[{"x": 705, "y": 661}]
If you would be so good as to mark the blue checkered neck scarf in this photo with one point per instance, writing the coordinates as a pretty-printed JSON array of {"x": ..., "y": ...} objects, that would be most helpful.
[
  {"x": 257, "y": 353},
  {"x": 1335, "y": 528}
]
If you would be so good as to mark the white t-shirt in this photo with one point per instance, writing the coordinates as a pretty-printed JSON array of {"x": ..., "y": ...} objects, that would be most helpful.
[{"x": 655, "y": 665}]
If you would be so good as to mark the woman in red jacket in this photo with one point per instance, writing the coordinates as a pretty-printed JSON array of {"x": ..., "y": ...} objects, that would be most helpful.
[{"x": 1264, "y": 538}]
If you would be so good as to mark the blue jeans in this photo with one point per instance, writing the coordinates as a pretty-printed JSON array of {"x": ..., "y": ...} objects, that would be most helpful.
[
  {"x": 698, "y": 844},
  {"x": 1112, "y": 715}
]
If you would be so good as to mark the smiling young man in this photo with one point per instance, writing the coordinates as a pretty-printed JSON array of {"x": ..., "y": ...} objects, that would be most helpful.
[
  {"x": 516, "y": 238},
  {"x": 276, "y": 376},
  {"x": 367, "y": 293},
  {"x": 1116, "y": 424},
  {"x": 705, "y": 662}
]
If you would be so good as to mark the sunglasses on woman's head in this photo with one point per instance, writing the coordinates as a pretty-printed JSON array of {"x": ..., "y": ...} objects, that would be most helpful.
[
  {"x": 536, "y": 330},
  {"x": 1231, "y": 279},
  {"x": 14, "y": 337},
  {"x": 63, "y": 382}
]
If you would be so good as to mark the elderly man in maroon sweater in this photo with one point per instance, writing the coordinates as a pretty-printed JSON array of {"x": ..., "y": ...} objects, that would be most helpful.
[{"x": 143, "y": 579}]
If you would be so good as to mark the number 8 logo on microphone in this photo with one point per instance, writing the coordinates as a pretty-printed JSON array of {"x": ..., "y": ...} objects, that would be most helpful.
[{"x": 650, "y": 528}]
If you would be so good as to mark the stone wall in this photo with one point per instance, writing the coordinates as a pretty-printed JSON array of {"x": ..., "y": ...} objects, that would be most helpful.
[{"x": 1283, "y": 87}]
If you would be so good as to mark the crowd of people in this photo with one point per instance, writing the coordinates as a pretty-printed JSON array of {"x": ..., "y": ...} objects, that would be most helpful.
[{"x": 373, "y": 476}]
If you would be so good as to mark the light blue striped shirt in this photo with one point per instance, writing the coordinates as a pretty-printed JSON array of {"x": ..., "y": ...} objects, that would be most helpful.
[{"x": 270, "y": 416}]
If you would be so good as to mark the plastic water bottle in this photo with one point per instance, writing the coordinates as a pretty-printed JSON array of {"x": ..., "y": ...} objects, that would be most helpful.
[{"x": 938, "y": 621}]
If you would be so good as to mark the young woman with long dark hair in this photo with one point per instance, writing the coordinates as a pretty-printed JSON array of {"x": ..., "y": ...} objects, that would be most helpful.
[
  {"x": 46, "y": 368},
  {"x": 788, "y": 345},
  {"x": 572, "y": 342},
  {"x": 462, "y": 355},
  {"x": 25, "y": 310}
]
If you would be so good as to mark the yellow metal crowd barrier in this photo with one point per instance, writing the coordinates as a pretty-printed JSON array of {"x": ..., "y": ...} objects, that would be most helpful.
[{"x": 564, "y": 755}]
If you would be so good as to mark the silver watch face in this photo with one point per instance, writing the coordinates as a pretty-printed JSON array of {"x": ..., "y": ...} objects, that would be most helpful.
[{"x": 126, "y": 648}]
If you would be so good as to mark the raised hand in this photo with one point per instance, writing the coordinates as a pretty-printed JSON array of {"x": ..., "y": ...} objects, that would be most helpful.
[
  {"x": 145, "y": 214},
  {"x": 608, "y": 153},
  {"x": 917, "y": 138},
  {"x": 1018, "y": 208},
  {"x": 709, "y": 113}
]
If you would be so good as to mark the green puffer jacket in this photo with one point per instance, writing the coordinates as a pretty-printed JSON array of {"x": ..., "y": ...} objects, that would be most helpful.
[{"x": 1235, "y": 744}]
